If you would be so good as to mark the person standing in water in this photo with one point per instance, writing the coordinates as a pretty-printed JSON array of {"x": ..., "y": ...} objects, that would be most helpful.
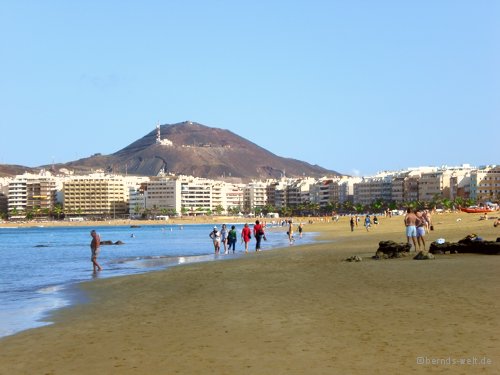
[
  {"x": 258, "y": 233},
  {"x": 290, "y": 232},
  {"x": 215, "y": 236},
  {"x": 246, "y": 235},
  {"x": 223, "y": 234},
  {"x": 231, "y": 238},
  {"x": 94, "y": 248}
]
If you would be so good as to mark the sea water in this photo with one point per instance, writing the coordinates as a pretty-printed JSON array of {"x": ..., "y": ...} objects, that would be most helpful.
[{"x": 39, "y": 265}]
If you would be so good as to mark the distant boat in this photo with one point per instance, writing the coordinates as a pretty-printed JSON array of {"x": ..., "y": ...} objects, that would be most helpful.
[
  {"x": 135, "y": 226},
  {"x": 477, "y": 209}
]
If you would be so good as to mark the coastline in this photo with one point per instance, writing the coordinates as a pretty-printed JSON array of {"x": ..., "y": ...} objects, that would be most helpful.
[
  {"x": 127, "y": 222},
  {"x": 295, "y": 310}
]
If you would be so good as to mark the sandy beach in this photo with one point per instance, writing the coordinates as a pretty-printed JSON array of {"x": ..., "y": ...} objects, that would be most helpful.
[{"x": 298, "y": 310}]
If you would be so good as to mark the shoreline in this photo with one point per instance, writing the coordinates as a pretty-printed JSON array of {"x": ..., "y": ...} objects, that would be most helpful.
[
  {"x": 296, "y": 310},
  {"x": 172, "y": 221},
  {"x": 44, "y": 304}
]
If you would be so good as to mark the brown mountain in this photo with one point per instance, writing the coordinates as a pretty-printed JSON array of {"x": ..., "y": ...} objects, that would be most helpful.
[
  {"x": 9, "y": 170},
  {"x": 200, "y": 151}
]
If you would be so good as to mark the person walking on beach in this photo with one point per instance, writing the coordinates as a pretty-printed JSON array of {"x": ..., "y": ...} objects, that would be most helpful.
[
  {"x": 215, "y": 236},
  {"x": 411, "y": 227},
  {"x": 94, "y": 248},
  {"x": 428, "y": 222},
  {"x": 258, "y": 232},
  {"x": 351, "y": 223},
  {"x": 421, "y": 228},
  {"x": 301, "y": 229},
  {"x": 246, "y": 234},
  {"x": 368, "y": 223},
  {"x": 231, "y": 238},
  {"x": 290, "y": 232},
  {"x": 223, "y": 237}
]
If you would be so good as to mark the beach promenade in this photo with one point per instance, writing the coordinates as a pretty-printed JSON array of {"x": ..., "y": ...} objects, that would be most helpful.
[{"x": 297, "y": 310}]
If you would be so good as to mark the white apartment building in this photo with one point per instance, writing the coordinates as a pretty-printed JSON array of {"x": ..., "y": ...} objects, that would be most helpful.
[
  {"x": 324, "y": 192},
  {"x": 255, "y": 195},
  {"x": 196, "y": 195},
  {"x": 32, "y": 193},
  {"x": 235, "y": 196},
  {"x": 373, "y": 188},
  {"x": 276, "y": 193},
  {"x": 160, "y": 193},
  {"x": 346, "y": 188},
  {"x": 298, "y": 191}
]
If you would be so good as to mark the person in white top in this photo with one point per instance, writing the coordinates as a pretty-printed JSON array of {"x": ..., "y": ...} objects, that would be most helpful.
[{"x": 215, "y": 236}]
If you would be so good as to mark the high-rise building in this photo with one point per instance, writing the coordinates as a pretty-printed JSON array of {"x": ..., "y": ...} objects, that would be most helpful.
[{"x": 95, "y": 195}]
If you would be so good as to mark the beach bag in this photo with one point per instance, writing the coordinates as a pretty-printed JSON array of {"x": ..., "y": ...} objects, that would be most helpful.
[{"x": 260, "y": 232}]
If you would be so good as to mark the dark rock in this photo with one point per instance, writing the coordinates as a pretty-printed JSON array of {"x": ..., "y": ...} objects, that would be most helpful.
[
  {"x": 391, "y": 249},
  {"x": 354, "y": 258},
  {"x": 469, "y": 244},
  {"x": 423, "y": 256}
]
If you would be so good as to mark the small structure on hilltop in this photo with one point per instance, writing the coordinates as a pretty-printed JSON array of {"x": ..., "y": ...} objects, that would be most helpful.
[{"x": 159, "y": 141}]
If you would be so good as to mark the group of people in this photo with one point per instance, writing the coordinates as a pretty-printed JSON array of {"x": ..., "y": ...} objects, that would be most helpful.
[
  {"x": 353, "y": 222},
  {"x": 228, "y": 238},
  {"x": 417, "y": 223}
]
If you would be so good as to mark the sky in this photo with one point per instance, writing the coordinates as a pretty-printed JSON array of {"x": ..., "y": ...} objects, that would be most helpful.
[{"x": 354, "y": 86}]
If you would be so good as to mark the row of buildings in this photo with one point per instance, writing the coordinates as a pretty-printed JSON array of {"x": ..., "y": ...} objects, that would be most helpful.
[{"x": 101, "y": 195}]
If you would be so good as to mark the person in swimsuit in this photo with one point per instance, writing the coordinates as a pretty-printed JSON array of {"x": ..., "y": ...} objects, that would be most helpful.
[{"x": 94, "y": 248}]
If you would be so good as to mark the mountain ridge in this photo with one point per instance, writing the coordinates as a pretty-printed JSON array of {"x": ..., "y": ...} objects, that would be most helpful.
[{"x": 190, "y": 148}]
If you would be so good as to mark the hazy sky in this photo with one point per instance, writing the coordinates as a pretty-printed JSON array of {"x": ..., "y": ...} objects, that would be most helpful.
[{"x": 353, "y": 86}]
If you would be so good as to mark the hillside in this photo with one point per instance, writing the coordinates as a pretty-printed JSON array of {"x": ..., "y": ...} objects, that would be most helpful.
[{"x": 201, "y": 151}]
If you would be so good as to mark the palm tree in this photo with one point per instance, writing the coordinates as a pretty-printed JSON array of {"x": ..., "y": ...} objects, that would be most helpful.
[
  {"x": 219, "y": 209},
  {"x": 58, "y": 210},
  {"x": 14, "y": 212},
  {"x": 348, "y": 206}
]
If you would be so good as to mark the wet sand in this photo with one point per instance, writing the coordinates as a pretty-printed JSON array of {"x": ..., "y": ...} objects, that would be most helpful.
[{"x": 299, "y": 310}]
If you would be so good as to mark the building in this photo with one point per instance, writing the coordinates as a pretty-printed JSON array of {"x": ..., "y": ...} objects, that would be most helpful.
[
  {"x": 235, "y": 197},
  {"x": 32, "y": 195},
  {"x": 485, "y": 184},
  {"x": 255, "y": 196},
  {"x": 324, "y": 192},
  {"x": 95, "y": 195},
  {"x": 196, "y": 195},
  {"x": 372, "y": 189},
  {"x": 298, "y": 191},
  {"x": 162, "y": 194}
]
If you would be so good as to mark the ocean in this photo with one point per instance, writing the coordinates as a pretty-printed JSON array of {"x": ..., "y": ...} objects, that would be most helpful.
[{"x": 41, "y": 264}]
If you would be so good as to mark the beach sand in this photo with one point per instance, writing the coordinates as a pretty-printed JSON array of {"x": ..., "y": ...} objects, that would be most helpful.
[{"x": 299, "y": 310}]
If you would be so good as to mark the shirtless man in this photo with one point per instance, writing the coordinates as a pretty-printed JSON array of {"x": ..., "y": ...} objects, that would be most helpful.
[
  {"x": 411, "y": 227},
  {"x": 94, "y": 248}
]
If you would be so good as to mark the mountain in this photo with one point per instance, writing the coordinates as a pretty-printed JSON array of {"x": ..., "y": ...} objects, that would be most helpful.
[
  {"x": 190, "y": 148},
  {"x": 9, "y": 170}
]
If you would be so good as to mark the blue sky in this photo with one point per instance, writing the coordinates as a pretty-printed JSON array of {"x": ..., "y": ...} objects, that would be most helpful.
[{"x": 353, "y": 86}]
